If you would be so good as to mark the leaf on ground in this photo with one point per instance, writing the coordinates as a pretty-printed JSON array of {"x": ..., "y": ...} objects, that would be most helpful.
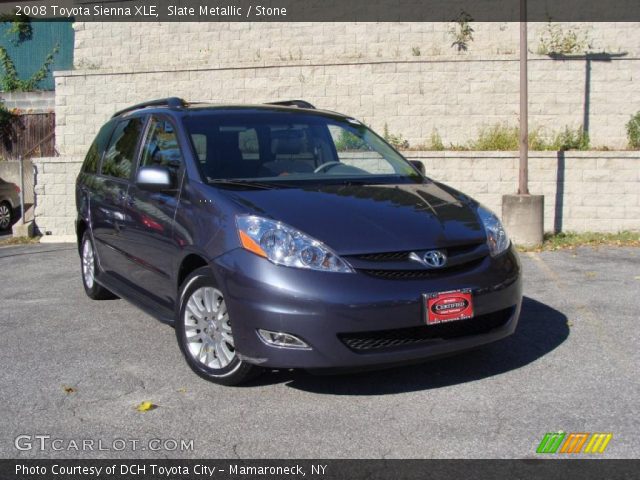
[
  {"x": 590, "y": 274},
  {"x": 68, "y": 390},
  {"x": 569, "y": 323},
  {"x": 637, "y": 277},
  {"x": 146, "y": 406},
  {"x": 182, "y": 390}
]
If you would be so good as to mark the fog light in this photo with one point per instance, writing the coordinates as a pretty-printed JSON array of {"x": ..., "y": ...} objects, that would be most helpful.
[{"x": 280, "y": 339}]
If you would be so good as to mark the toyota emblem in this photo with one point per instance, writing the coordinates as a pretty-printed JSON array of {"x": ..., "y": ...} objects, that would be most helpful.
[{"x": 434, "y": 259}]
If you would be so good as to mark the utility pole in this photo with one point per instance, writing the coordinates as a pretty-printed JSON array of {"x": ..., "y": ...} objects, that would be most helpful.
[
  {"x": 522, "y": 213},
  {"x": 523, "y": 177}
]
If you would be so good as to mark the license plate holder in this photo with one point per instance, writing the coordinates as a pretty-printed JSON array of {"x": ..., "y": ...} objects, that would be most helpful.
[{"x": 449, "y": 306}]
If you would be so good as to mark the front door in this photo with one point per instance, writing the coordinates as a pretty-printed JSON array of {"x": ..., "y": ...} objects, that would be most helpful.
[{"x": 148, "y": 235}]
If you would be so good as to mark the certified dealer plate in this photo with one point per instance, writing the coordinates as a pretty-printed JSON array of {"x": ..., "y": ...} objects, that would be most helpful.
[{"x": 448, "y": 306}]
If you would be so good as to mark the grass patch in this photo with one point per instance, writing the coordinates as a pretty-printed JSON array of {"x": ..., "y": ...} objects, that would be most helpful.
[
  {"x": 19, "y": 241},
  {"x": 567, "y": 240}
]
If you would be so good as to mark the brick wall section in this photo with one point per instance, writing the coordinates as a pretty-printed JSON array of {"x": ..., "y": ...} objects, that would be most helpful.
[
  {"x": 55, "y": 208},
  {"x": 33, "y": 102},
  {"x": 595, "y": 191},
  {"x": 583, "y": 191},
  {"x": 455, "y": 97}
]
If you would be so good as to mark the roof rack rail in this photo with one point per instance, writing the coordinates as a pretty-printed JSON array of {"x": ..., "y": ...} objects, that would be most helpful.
[
  {"x": 171, "y": 102},
  {"x": 293, "y": 103}
]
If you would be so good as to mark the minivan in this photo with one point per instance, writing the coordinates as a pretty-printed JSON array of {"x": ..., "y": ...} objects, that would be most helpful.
[{"x": 283, "y": 236}]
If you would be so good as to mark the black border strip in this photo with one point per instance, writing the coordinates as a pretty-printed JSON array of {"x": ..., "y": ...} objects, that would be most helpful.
[{"x": 329, "y": 10}]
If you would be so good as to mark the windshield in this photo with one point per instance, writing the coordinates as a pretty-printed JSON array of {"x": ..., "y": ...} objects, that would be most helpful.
[{"x": 292, "y": 148}]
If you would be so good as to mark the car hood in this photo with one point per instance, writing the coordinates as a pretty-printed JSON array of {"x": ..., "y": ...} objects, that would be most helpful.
[{"x": 357, "y": 219}]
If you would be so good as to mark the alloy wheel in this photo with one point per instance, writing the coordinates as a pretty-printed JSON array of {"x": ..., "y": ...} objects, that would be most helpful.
[
  {"x": 208, "y": 329},
  {"x": 5, "y": 216},
  {"x": 88, "y": 264}
]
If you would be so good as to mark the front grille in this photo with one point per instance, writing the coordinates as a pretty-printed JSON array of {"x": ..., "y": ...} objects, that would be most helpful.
[
  {"x": 400, "y": 265},
  {"x": 385, "y": 257},
  {"x": 362, "y": 342},
  {"x": 419, "y": 274}
]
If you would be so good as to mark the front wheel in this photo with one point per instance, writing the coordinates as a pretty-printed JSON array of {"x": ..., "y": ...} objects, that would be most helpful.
[{"x": 203, "y": 330}]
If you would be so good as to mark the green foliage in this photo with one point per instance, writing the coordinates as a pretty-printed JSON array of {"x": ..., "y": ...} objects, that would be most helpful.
[
  {"x": 633, "y": 131},
  {"x": 503, "y": 137},
  {"x": 497, "y": 137},
  {"x": 461, "y": 31},
  {"x": 20, "y": 27},
  {"x": 348, "y": 141},
  {"x": 556, "y": 40},
  {"x": 569, "y": 139},
  {"x": 435, "y": 142},
  {"x": 7, "y": 125},
  {"x": 396, "y": 140},
  {"x": 10, "y": 82},
  {"x": 415, "y": 51}
]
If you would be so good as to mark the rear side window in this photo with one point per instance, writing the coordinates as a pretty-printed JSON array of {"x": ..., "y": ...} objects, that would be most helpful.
[
  {"x": 118, "y": 160},
  {"x": 161, "y": 147},
  {"x": 97, "y": 148}
]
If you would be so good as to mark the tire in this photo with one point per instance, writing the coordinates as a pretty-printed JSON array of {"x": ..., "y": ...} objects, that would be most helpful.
[
  {"x": 88, "y": 269},
  {"x": 203, "y": 331},
  {"x": 6, "y": 216}
]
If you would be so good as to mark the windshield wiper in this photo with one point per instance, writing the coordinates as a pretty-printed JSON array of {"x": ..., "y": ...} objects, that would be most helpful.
[{"x": 243, "y": 183}]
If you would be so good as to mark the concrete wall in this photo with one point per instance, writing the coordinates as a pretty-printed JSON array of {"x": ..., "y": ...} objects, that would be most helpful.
[
  {"x": 32, "y": 102},
  {"x": 405, "y": 75},
  {"x": 584, "y": 191}
]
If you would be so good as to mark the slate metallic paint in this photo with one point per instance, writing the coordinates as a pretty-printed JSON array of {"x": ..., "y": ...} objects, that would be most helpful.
[{"x": 316, "y": 306}]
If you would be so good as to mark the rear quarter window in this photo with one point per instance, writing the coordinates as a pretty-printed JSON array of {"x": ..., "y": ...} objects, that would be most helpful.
[
  {"x": 92, "y": 160},
  {"x": 118, "y": 160}
]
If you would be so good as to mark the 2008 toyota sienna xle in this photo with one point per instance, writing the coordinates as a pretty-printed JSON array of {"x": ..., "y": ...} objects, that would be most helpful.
[{"x": 283, "y": 236}]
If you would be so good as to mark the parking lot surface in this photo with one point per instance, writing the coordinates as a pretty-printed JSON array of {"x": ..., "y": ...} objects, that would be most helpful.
[{"x": 75, "y": 369}]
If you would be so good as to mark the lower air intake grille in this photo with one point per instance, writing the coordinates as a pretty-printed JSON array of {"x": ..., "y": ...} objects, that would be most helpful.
[{"x": 362, "y": 342}]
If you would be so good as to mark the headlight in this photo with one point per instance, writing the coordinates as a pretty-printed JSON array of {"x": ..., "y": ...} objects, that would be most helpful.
[
  {"x": 284, "y": 245},
  {"x": 497, "y": 238}
]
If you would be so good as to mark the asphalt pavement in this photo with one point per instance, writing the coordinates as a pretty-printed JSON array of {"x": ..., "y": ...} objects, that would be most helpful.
[{"x": 74, "y": 370}]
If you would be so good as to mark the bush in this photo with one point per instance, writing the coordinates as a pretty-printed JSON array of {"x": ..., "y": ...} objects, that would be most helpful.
[
  {"x": 348, "y": 141},
  {"x": 633, "y": 131},
  {"x": 571, "y": 140},
  {"x": 434, "y": 143},
  {"x": 497, "y": 137},
  {"x": 396, "y": 140}
]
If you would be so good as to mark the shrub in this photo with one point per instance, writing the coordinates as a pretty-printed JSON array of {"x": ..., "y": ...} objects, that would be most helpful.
[
  {"x": 496, "y": 137},
  {"x": 633, "y": 131},
  {"x": 396, "y": 140},
  {"x": 434, "y": 143},
  {"x": 554, "y": 40},
  {"x": 348, "y": 141},
  {"x": 571, "y": 140}
]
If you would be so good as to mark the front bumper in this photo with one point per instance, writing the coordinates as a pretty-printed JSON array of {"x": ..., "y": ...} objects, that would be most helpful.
[{"x": 322, "y": 308}]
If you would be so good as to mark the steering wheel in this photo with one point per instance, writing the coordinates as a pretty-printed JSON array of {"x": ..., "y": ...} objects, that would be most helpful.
[{"x": 325, "y": 165}]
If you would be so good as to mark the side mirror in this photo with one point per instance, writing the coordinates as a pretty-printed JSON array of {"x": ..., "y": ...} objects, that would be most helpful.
[
  {"x": 419, "y": 165},
  {"x": 155, "y": 178}
]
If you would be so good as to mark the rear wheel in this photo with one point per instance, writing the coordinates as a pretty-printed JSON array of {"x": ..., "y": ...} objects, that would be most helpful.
[
  {"x": 6, "y": 215},
  {"x": 204, "y": 333},
  {"x": 89, "y": 267}
]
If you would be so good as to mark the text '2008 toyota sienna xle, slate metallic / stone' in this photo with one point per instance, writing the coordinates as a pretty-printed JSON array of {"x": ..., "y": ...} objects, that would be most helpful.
[{"x": 282, "y": 236}]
